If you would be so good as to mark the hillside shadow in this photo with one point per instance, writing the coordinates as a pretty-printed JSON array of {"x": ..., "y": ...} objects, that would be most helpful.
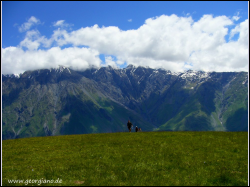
[
  {"x": 86, "y": 117},
  {"x": 206, "y": 96},
  {"x": 10, "y": 98},
  {"x": 238, "y": 121},
  {"x": 79, "y": 118},
  {"x": 198, "y": 123}
]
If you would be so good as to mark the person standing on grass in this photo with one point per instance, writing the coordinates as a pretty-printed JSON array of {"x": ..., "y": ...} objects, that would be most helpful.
[
  {"x": 129, "y": 124},
  {"x": 136, "y": 129}
]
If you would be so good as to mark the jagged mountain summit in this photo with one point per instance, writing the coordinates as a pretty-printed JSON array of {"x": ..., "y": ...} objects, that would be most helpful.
[{"x": 61, "y": 101}]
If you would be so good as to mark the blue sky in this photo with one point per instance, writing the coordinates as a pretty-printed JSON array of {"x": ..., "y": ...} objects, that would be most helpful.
[{"x": 172, "y": 35}]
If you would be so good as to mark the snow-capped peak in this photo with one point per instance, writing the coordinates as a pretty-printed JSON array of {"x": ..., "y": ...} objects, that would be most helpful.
[
  {"x": 194, "y": 73},
  {"x": 61, "y": 68},
  {"x": 13, "y": 75}
]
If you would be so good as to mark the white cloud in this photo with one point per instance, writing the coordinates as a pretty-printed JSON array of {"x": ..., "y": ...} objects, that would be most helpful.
[
  {"x": 130, "y": 20},
  {"x": 33, "y": 40},
  {"x": 226, "y": 57},
  {"x": 243, "y": 30},
  {"x": 15, "y": 60},
  {"x": 171, "y": 42},
  {"x": 236, "y": 17},
  {"x": 61, "y": 23},
  {"x": 58, "y": 23},
  {"x": 27, "y": 25},
  {"x": 109, "y": 61}
]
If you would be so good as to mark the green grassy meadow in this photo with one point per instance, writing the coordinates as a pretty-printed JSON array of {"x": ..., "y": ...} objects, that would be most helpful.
[{"x": 128, "y": 159}]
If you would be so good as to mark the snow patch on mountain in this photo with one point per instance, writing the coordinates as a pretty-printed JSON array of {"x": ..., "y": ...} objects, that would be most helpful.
[
  {"x": 13, "y": 75},
  {"x": 176, "y": 73},
  {"x": 195, "y": 74},
  {"x": 244, "y": 82},
  {"x": 60, "y": 69}
]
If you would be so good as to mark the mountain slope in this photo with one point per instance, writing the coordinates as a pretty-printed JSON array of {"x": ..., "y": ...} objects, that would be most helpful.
[
  {"x": 212, "y": 103},
  {"x": 63, "y": 101}
]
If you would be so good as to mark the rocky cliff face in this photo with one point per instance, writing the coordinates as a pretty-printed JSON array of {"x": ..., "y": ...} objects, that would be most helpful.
[{"x": 63, "y": 101}]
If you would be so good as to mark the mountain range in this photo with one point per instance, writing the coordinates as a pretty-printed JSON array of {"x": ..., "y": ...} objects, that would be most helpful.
[{"x": 62, "y": 101}]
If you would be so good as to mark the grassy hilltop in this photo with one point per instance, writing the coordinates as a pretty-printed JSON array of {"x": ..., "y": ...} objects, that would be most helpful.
[{"x": 130, "y": 159}]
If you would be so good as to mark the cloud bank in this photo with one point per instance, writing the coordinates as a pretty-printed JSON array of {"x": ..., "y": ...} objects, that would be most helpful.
[{"x": 170, "y": 42}]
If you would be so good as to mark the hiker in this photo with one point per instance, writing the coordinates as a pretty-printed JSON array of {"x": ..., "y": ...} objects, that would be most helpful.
[
  {"x": 139, "y": 129},
  {"x": 129, "y": 124},
  {"x": 136, "y": 129}
]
